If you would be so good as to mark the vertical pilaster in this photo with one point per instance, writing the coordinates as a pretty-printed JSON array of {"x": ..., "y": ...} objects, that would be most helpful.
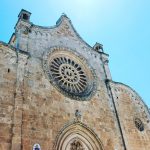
[
  {"x": 18, "y": 107},
  {"x": 106, "y": 67}
]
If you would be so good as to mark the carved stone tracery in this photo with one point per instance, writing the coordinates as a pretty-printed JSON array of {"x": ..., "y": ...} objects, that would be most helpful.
[
  {"x": 77, "y": 136},
  {"x": 76, "y": 145},
  {"x": 70, "y": 73}
]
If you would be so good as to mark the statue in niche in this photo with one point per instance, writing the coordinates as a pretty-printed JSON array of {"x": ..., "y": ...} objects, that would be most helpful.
[{"x": 76, "y": 145}]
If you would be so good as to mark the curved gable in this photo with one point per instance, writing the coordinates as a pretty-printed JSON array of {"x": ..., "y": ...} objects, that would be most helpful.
[
  {"x": 63, "y": 27},
  {"x": 134, "y": 97},
  {"x": 133, "y": 114},
  {"x": 37, "y": 39}
]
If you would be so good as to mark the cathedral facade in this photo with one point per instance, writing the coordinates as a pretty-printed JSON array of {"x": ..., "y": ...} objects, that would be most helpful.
[{"x": 56, "y": 93}]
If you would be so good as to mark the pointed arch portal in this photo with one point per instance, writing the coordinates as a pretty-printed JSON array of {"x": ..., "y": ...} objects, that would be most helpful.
[{"x": 77, "y": 136}]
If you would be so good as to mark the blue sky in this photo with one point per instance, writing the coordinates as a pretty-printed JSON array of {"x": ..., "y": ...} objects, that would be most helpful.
[{"x": 122, "y": 26}]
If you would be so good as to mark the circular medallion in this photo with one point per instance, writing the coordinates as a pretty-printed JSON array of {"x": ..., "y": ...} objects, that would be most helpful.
[{"x": 71, "y": 75}]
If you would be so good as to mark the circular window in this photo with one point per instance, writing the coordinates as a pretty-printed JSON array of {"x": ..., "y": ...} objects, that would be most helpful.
[
  {"x": 139, "y": 124},
  {"x": 69, "y": 74}
]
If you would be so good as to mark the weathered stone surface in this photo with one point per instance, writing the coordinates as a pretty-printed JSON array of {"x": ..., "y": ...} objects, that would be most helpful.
[{"x": 34, "y": 110}]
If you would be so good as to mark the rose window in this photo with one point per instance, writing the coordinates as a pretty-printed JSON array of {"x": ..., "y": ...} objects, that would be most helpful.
[{"x": 69, "y": 75}]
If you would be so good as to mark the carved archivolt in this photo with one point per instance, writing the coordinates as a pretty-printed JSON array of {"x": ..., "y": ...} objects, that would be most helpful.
[{"x": 77, "y": 136}]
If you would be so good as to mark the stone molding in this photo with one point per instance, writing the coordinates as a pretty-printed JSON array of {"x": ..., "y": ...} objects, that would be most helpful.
[{"x": 77, "y": 130}]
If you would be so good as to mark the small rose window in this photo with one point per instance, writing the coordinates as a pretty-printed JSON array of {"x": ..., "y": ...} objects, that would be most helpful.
[{"x": 139, "y": 124}]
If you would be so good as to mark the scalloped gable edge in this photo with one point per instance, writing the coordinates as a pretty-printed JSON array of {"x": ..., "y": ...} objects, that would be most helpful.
[
  {"x": 59, "y": 22},
  {"x": 128, "y": 87},
  {"x": 14, "y": 49}
]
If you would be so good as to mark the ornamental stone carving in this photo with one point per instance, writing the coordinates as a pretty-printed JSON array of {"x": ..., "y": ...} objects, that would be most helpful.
[
  {"x": 69, "y": 74},
  {"x": 76, "y": 145}
]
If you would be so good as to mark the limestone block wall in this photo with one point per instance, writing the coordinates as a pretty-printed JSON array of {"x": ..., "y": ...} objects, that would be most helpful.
[
  {"x": 46, "y": 111},
  {"x": 130, "y": 107},
  {"x": 34, "y": 110},
  {"x": 7, "y": 94}
]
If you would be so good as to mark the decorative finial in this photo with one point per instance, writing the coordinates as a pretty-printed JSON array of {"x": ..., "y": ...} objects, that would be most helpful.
[
  {"x": 63, "y": 14},
  {"x": 98, "y": 47}
]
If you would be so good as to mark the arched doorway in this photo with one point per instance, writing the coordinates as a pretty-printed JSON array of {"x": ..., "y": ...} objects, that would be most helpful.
[{"x": 77, "y": 136}]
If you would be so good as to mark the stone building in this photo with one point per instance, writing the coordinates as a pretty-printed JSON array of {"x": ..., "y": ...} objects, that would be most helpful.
[{"x": 56, "y": 93}]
